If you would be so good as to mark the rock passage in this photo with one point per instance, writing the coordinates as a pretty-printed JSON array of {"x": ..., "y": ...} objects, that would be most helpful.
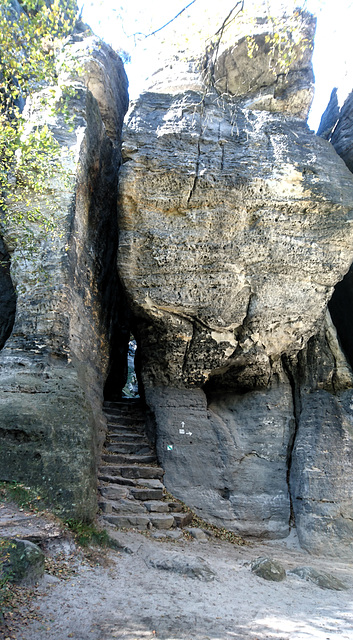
[{"x": 131, "y": 482}]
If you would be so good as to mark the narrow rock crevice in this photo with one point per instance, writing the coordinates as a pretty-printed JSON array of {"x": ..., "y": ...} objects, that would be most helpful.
[
  {"x": 341, "y": 310},
  {"x": 196, "y": 176},
  {"x": 7, "y": 296},
  {"x": 291, "y": 442}
]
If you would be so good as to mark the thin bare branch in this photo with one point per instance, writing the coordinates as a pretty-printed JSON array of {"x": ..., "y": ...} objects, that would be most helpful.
[{"x": 166, "y": 24}]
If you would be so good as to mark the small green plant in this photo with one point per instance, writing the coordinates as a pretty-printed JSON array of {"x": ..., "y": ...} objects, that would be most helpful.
[
  {"x": 88, "y": 534},
  {"x": 24, "y": 497},
  {"x": 5, "y": 576}
]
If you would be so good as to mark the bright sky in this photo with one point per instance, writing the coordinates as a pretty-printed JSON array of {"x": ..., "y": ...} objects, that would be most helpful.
[{"x": 117, "y": 22}]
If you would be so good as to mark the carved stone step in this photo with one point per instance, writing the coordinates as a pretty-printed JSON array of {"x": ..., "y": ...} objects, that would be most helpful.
[
  {"x": 130, "y": 403},
  {"x": 182, "y": 519},
  {"x": 124, "y": 420},
  {"x": 130, "y": 448},
  {"x": 147, "y": 494},
  {"x": 156, "y": 506},
  {"x": 129, "y": 436},
  {"x": 139, "y": 521},
  {"x": 133, "y": 471},
  {"x": 114, "y": 492},
  {"x": 127, "y": 506},
  {"x": 118, "y": 429},
  {"x": 162, "y": 520},
  {"x": 114, "y": 479},
  {"x": 128, "y": 459},
  {"x": 149, "y": 483}
]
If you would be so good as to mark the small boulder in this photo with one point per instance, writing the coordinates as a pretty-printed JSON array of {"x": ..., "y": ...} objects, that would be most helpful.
[
  {"x": 320, "y": 578},
  {"x": 268, "y": 569},
  {"x": 21, "y": 561},
  {"x": 189, "y": 566},
  {"x": 197, "y": 534}
]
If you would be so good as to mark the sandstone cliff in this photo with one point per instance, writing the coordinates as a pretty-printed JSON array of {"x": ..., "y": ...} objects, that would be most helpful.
[
  {"x": 54, "y": 365},
  {"x": 235, "y": 225},
  {"x": 235, "y": 251}
]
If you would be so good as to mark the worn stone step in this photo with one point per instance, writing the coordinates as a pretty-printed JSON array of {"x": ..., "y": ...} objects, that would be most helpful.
[
  {"x": 162, "y": 520},
  {"x": 138, "y": 521},
  {"x": 134, "y": 412},
  {"x": 175, "y": 507},
  {"x": 114, "y": 458},
  {"x": 124, "y": 420},
  {"x": 115, "y": 479},
  {"x": 156, "y": 506},
  {"x": 147, "y": 494},
  {"x": 182, "y": 519},
  {"x": 129, "y": 436},
  {"x": 128, "y": 403},
  {"x": 131, "y": 471},
  {"x": 127, "y": 506},
  {"x": 114, "y": 491},
  {"x": 118, "y": 429},
  {"x": 130, "y": 448},
  {"x": 149, "y": 483}
]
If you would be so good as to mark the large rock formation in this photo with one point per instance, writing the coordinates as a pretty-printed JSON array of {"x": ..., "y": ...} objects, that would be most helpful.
[
  {"x": 236, "y": 224},
  {"x": 53, "y": 366}
]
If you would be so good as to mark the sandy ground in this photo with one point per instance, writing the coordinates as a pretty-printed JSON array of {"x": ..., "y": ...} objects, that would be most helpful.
[{"x": 127, "y": 599}]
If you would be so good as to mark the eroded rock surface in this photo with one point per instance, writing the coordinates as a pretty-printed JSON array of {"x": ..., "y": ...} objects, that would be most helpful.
[
  {"x": 53, "y": 366},
  {"x": 274, "y": 75},
  {"x": 236, "y": 224}
]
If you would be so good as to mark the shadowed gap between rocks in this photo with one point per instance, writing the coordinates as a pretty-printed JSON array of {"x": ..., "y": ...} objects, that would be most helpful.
[
  {"x": 7, "y": 296},
  {"x": 124, "y": 372},
  {"x": 341, "y": 310}
]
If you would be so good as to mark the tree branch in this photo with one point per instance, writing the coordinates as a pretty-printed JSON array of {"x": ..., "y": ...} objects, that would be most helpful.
[{"x": 166, "y": 24}]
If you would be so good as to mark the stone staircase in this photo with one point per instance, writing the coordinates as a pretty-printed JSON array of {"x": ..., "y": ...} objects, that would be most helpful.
[{"x": 132, "y": 493}]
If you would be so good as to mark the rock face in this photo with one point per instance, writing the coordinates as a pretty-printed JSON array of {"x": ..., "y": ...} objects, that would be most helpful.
[
  {"x": 236, "y": 224},
  {"x": 53, "y": 366},
  {"x": 272, "y": 73},
  {"x": 322, "y": 457}
]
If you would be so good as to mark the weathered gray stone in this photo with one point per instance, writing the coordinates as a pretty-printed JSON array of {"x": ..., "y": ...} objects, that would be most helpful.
[
  {"x": 53, "y": 366},
  {"x": 230, "y": 462},
  {"x": 21, "y": 560},
  {"x": 236, "y": 224},
  {"x": 157, "y": 506},
  {"x": 129, "y": 520},
  {"x": 254, "y": 67},
  {"x": 198, "y": 534},
  {"x": 162, "y": 520},
  {"x": 268, "y": 569},
  {"x": 128, "y": 506},
  {"x": 321, "y": 473},
  {"x": 182, "y": 519},
  {"x": 320, "y": 578},
  {"x": 114, "y": 492},
  {"x": 189, "y": 566},
  {"x": 211, "y": 243},
  {"x": 321, "y": 468}
]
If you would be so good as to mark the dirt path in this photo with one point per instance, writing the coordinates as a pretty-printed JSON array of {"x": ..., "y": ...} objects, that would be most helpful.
[{"x": 132, "y": 600}]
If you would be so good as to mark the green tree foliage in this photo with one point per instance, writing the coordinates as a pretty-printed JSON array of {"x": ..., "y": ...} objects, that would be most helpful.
[{"x": 31, "y": 34}]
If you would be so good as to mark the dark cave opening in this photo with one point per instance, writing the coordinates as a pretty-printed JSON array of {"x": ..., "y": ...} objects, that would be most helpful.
[{"x": 341, "y": 310}]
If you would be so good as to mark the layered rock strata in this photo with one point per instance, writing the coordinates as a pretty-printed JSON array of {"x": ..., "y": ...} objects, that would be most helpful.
[
  {"x": 236, "y": 224},
  {"x": 53, "y": 366}
]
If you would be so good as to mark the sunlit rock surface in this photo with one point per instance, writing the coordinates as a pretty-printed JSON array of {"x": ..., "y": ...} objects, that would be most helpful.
[{"x": 235, "y": 226}]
